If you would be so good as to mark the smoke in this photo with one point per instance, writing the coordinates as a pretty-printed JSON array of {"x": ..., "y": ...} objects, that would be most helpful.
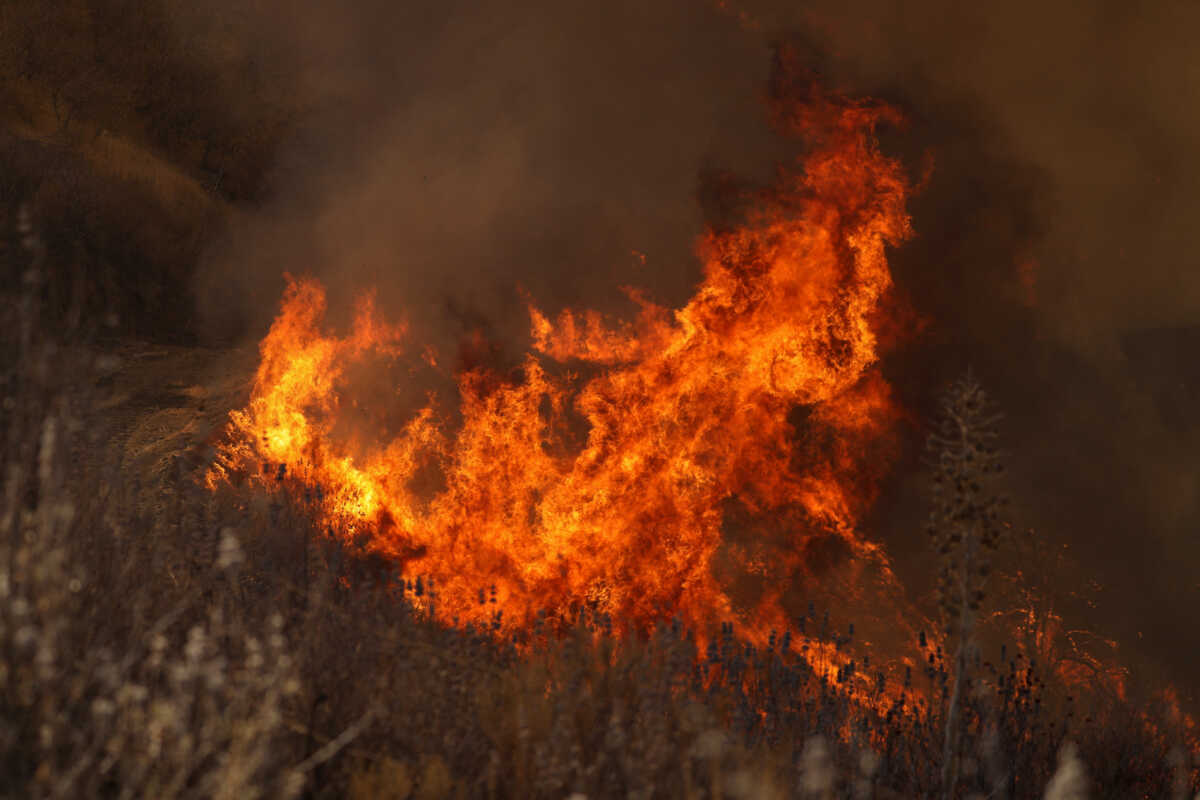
[
  {"x": 449, "y": 152},
  {"x": 455, "y": 150}
]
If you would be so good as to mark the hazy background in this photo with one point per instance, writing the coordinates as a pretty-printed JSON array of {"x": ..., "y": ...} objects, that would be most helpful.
[{"x": 448, "y": 153}]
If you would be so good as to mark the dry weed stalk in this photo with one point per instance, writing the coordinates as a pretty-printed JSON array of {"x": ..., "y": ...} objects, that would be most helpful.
[{"x": 964, "y": 526}]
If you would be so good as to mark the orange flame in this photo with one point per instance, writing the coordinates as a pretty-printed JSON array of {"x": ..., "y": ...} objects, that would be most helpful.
[{"x": 617, "y": 491}]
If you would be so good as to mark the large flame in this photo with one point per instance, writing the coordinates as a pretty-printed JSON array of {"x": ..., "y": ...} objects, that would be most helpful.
[{"x": 680, "y": 450}]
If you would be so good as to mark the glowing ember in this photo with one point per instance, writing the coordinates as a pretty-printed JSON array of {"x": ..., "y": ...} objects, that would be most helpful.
[{"x": 628, "y": 491}]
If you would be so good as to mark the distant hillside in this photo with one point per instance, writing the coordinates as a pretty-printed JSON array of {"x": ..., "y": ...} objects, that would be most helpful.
[{"x": 128, "y": 143}]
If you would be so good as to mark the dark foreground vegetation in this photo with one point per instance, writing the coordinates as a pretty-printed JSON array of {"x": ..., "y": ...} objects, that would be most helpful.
[{"x": 161, "y": 640}]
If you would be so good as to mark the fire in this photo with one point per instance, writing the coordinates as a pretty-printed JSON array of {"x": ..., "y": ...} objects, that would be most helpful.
[{"x": 629, "y": 461}]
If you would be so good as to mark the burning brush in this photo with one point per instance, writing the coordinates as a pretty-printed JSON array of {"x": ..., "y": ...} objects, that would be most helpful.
[{"x": 677, "y": 479}]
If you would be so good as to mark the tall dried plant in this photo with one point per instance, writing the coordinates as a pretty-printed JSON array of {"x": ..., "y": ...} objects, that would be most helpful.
[{"x": 965, "y": 527}]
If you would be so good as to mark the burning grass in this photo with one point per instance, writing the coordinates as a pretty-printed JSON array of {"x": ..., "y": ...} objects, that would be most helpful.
[{"x": 683, "y": 412}]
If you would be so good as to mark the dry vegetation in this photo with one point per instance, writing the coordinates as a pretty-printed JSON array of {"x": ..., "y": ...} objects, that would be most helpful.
[
  {"x": 164, "y": 641},
  {"x": 158, "y": 640}
]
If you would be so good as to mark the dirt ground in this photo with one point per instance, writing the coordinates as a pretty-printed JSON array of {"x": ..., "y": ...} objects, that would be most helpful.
[{"x": 163, "y": 409}]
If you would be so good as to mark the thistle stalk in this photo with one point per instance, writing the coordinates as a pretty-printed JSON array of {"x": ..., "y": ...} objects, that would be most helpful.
[{"x": 964, "y": 525}]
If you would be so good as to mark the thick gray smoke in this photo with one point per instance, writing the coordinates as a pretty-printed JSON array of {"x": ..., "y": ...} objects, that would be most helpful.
[{"x": 451, "y": 152}]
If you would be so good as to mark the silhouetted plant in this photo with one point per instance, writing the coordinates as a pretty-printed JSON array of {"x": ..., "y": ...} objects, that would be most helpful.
[{"x": 965, "y": 526}]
